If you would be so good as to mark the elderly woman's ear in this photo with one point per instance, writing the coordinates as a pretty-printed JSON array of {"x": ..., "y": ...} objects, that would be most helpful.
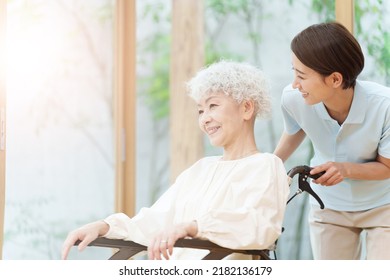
[{"x": 248, "y": 109}]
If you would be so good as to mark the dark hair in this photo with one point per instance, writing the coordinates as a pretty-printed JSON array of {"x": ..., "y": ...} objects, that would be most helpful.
[{"x": 327, "y": 48}]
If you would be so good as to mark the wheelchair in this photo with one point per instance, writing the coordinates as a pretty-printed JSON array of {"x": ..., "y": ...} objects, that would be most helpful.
[{"x": 128, "y": 249}]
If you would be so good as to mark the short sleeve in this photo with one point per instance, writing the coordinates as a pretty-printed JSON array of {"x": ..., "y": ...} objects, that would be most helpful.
[
  {"x": 384, "y": 142},
  {"x": 291, "y": 126}
]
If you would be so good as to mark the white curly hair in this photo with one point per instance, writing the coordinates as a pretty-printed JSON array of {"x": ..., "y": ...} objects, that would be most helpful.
[{"x": 239, "y": 80}]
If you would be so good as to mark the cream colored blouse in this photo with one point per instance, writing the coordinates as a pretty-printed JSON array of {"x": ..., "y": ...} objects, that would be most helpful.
[{"x": 237, "y": 204}]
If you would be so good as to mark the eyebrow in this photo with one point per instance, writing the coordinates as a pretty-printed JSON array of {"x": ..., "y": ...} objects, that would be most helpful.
[
  {"x": 208, "y": 99},
  {"x": 299, "y": 71}
]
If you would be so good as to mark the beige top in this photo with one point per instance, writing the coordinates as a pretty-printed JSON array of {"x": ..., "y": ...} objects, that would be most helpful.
[{"x": 237, "y": 204}]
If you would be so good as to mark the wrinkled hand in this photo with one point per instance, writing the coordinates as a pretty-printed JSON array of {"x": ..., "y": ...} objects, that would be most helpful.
[
  {"x": 162, "y": 244},
  {"x": 334, "y": 173},
  {"x": 86, "y": 234}
]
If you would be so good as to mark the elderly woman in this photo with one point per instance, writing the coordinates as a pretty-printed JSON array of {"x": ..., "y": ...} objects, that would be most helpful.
[{"x": 236, "y": 200}]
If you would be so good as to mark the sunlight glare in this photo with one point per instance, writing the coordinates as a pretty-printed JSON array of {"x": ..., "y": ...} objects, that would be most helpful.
[{"x": 32, "y": 54}]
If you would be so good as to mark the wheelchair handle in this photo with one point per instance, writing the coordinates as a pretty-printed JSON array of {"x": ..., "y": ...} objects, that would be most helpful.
[
  {"x": 304, "y": 170},
  {"x": 303, "y": 185}
]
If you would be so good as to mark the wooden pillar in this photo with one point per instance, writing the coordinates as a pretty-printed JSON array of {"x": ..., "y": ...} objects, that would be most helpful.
[
  {"x": 3, "y": 14},
  {"x": 187, "y": 57},
  {"x": 124, "y": 104},
  {"x": 345, "y": 11}
]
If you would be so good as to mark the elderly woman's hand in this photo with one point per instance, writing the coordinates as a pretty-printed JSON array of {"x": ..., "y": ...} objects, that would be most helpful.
[
  {"x": 162, "y": 244},
  {"x": 86, "y": 234}
]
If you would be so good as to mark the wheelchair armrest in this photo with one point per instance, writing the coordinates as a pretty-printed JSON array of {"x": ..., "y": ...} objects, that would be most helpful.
[{"x": 127, "y": 249}]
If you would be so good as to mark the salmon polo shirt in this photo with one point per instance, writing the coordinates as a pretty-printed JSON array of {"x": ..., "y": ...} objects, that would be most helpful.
[{"x": 363, "y": 135}]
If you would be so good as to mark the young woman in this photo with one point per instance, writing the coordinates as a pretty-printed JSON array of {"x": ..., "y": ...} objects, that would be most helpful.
[
  {"x": 348, "y": 123},
  {"x": 236, "y": 200}
]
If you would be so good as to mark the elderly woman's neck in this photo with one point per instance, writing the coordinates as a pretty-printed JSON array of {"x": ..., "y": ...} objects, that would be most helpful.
[
  {"x": 241, "y": 150},
  {"x": 240, "y": 155}
]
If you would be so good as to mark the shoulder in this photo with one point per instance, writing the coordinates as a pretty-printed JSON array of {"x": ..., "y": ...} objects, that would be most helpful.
[
  {"x": 291, "y": 97},
  {"x": 268, "y": 157},
  {"x": 263, "y": 169},
  {"x": 273, "y": 160},
  {"x": 263, "y": 162},
  {"x": 207, "y": 160},
  {"x": 375, "y": 97},
  {"x": 202, "y": 163},
  {"x": 289, "y": 91},
  {"x": 197, "y": 167},
  {"x": 373, "y": 90}
]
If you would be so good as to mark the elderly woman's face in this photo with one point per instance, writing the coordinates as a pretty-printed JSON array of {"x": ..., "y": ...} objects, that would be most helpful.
[{"x": 221, "y": 118}]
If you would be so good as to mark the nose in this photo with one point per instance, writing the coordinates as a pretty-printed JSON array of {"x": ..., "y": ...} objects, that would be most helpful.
[
  {"x": 296, "y": 84},
  {"x": 204, "y": 118}
]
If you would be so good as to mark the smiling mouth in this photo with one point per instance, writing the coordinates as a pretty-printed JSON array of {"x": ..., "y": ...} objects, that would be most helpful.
[{"x": 212, "y": 130}]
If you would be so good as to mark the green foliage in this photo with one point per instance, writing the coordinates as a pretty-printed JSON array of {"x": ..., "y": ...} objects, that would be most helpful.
[
  {"x": 226, "y": 8},
  {"x": 214, "y": 55},
  {"x": 324, "y": 9},
  {"x": 157, "y": 82},
  {"x": 104, "y": 13},
  {"x": 369, "y": 28},
  {"x": 154, "y": 86},
  {"x": 248, "y": 12},
  {"x": 370, "y": 15}
]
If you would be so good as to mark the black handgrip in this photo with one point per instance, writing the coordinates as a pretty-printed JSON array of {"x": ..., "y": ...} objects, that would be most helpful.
[
  {"x": 304, "y": 169},
  {"x": 317, "y": 175},
  {"x": 299, "y": 170}
]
